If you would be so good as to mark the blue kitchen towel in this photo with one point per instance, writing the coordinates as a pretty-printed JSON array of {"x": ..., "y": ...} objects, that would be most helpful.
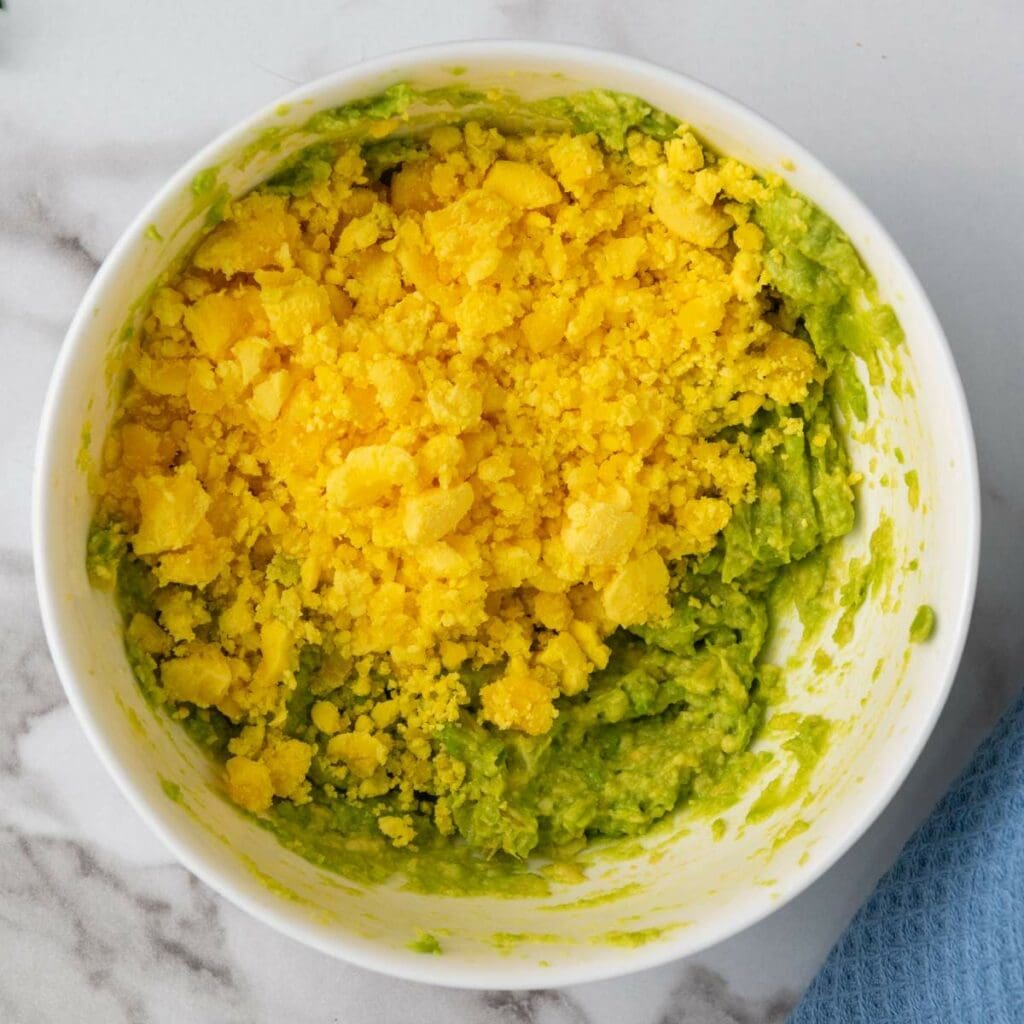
[{"x": 942, "y": 938}]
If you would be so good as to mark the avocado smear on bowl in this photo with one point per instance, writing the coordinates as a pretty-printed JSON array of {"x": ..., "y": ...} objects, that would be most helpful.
[{"x": 671, "y": 705}]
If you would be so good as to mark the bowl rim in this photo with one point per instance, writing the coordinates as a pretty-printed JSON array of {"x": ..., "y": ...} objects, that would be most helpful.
[{"x": 498, "y": 975}]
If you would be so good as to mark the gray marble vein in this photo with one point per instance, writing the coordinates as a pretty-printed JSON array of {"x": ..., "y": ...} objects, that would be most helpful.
[{"x": 100, "y": 102}]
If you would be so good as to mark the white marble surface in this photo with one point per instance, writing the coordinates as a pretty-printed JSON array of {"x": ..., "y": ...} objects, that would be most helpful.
[{"x": 912, "y": 103}]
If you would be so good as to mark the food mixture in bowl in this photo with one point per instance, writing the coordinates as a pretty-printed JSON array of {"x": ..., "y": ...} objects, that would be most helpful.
[{"x": 460, "y": 474}]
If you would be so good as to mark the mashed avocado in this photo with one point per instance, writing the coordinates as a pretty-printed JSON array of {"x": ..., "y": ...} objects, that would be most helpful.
[
  {"x": 923, "y": 625},
  {"x": 462, "y": 468}
]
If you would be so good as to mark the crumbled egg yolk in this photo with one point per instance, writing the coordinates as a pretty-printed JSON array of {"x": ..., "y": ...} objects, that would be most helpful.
[{"x": 465, "y": 418}]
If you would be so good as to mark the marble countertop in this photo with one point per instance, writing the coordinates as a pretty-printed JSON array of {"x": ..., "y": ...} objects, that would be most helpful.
[{"x": 99, "y": 102}]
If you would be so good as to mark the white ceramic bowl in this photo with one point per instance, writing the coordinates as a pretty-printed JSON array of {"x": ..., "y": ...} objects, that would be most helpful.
[{"x": 686, "y": 889}]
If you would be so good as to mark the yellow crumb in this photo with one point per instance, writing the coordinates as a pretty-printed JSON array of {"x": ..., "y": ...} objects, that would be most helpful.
[
  {"x": 517, "y": 701},
  {"x": 249, "y": 783},
  {"x": 398, "y": 829}
]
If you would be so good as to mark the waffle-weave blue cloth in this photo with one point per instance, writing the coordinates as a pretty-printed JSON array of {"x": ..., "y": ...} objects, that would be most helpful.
[{"x": 942, "y": 938}]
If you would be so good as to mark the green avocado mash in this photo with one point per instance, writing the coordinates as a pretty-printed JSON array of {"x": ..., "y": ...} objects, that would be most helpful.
[
  {"x": 923, "y": 626},
  {"x": 672, "y": 717}
]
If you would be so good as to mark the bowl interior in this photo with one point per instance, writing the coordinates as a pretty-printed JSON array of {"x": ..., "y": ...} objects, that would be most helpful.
[{"x": 679, "y": 889}]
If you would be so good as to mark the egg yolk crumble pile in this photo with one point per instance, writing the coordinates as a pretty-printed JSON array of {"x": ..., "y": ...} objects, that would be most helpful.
[{"x": 471, "y": 415}]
